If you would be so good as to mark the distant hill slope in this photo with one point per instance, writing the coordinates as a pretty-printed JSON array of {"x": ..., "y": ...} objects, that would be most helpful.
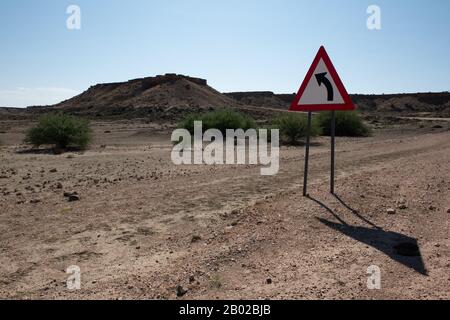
[
  {"x": 414, "y": 102},
  {"x": 437, "y": 103},
  {"x": 265, "y": 99},
  {"x": 12, "y": 113}
]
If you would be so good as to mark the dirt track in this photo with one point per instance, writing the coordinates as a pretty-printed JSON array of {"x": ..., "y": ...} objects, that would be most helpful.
[{"x": 132, "y": 231}]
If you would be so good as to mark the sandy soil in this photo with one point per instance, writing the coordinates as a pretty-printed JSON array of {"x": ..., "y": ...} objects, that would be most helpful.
[{"x": 143, "y": 226}]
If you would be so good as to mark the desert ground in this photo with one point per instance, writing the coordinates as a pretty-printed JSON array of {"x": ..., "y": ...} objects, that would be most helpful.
[{"x": 141, "y": 226}]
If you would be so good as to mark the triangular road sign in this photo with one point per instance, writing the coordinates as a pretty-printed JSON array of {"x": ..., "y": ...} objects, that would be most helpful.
[{"x": 322, "y": 88}]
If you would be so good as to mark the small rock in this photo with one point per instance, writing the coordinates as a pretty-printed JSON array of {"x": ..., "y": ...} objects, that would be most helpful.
[
  {"x": 68, "y": 194},
  {"x": 191, "y": 279},
  {"x": 180, "y": 291},
  {"x": 269, "y": 281},
  {"x": 448, "y": 210},
  {"x": 391, "y": 211},
  {"x": 53, "y": 170},
  {"x": 403, "y": 207},
  {"x": 34, "y": 201},
  {"x": 431, "y": 208},
  {"x": 73, "y": 197},
  {"x": 196, "y": 238}
]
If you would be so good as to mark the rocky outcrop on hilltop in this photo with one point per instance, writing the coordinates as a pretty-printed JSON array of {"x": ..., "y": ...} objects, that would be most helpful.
[{"x": 162, "y": 96}]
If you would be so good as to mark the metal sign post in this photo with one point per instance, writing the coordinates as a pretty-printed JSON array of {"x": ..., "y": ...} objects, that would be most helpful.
[
  {"x": 308, "y": 138},
  {"x": 321, "y": 90},
  {"x": 332, "y": 133}
]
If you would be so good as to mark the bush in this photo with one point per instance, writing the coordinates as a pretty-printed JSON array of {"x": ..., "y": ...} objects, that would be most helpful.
[
  {"x": 348, "y": 124},
  {"x": 293, "y": 127},
  {"x": 220, "y": 119},
  {"x": 61, "y": 131}
]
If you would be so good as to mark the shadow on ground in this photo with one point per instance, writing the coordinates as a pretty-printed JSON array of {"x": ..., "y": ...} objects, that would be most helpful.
[
  {"x": 397, "y": 246},
  {"x": 301, "y": 144},
  {"x": 51, "y": 151}
]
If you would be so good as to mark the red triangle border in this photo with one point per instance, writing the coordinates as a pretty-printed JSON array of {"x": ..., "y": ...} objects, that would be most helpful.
[{"x": 347, "y": 105}]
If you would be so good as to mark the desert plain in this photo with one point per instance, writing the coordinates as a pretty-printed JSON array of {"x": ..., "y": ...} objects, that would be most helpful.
[{"x": 139, "y": 227}]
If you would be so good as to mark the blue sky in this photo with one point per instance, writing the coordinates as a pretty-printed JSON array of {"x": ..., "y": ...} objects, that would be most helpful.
[{"x": 237, "y": 45}]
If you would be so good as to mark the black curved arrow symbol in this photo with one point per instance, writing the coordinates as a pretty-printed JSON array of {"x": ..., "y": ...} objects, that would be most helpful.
[{"x": 322, "y": 79}]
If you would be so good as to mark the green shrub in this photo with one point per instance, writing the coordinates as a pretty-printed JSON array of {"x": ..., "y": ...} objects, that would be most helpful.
[
  {"x": 61, "y": 131},
  {"x": 348, "y": 124},
  {"x": 222, "y": 120},
  {"x": 293, "y": 127}
]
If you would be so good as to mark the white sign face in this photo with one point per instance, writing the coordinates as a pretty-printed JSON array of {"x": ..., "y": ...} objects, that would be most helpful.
[{"x": 321, "y": 88}]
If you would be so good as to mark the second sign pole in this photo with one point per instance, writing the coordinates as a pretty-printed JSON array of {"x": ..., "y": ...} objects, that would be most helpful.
[
  {"x": 333, "y": 134},
  {"x": 308, "y": 138}
]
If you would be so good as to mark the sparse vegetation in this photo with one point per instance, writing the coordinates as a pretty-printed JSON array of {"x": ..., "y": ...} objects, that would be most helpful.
[
  {"x": 222, "y": 120},
  {"x": 348, "y": 124},
  {"x": 293, "y": 127},
  {"x": 61, "y": 131},
  {"x": 216, "y": 282}
]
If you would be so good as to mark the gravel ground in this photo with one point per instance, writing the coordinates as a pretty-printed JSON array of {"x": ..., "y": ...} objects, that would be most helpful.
[{"x": 138, "y": 226}]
